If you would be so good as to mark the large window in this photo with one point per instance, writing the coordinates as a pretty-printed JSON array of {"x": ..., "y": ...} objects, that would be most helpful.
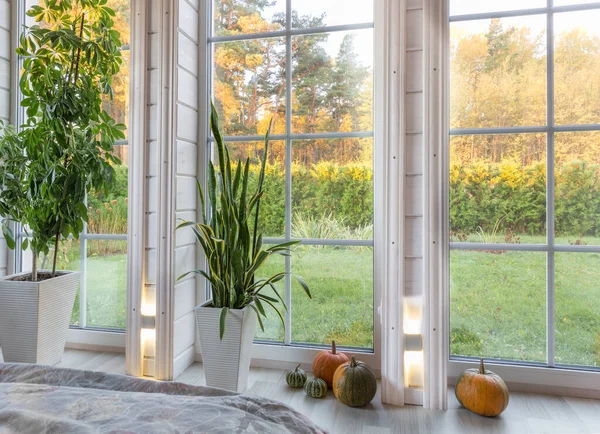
[
  {"x": 309, "y": 67},
  {"x": 525, "y": 181},
  {"x": 100, "y": 254}
]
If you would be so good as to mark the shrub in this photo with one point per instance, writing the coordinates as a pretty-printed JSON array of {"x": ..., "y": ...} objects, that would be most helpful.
[{"x": 482, "y": 193}]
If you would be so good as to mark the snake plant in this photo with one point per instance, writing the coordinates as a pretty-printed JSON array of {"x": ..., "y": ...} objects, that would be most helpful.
[{"x": 229, "y": 236}]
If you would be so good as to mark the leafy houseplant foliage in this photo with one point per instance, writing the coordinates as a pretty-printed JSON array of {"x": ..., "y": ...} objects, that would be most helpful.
[
  {"x": 65, "y": 148},
  {"x": 230, "y": 240}
]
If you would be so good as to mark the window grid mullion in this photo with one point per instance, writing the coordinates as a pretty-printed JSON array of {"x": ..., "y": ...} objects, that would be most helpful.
[
  {"x": 550, "y": 129},
  {"x": 289, "y": 137},
  {"x": 550, "y": 334},
  {"x": 288, "y": 170},
  {"x": 82, "y": 273}
]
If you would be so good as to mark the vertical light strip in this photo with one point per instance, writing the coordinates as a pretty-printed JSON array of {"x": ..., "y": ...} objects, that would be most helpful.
[
  {"x": 550, "y": 185},
  {"x": 288, "y": 169}
]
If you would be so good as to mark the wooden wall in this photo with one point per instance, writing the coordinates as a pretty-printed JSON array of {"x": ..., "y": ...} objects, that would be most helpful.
[{"x": 186, "y": 141}]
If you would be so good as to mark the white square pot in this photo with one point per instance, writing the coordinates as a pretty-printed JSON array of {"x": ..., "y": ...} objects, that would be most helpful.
[
  {"x": 227, "y": 361},
  {"x": 35, "y": 317}
]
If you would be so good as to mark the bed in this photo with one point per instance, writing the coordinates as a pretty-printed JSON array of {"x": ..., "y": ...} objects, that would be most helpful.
[{"x": 36, "y": 399}]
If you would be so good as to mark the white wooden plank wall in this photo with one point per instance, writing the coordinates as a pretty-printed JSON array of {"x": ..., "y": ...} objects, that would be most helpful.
[
  {"x": 413, "y": 195},
  {"x": 151, "y": 170},
  {"x": 5, "y": 95},
  {"x": 184, "y": 330}
]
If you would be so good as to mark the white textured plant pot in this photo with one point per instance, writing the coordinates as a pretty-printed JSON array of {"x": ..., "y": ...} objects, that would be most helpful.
[
  {"x": 35, "y": 317},
  {"x": 226, "y": 362}
]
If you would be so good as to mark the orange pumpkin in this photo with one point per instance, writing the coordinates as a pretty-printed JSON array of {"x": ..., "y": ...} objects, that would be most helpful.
[
  {"x": 483, "y": 392},
  {"x": 326, "y": 362}
]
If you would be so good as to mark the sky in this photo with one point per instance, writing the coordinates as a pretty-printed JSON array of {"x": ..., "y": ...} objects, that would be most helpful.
[
  {"x": 361, "y": 11},
  {"x": 337, "y": 12},
  {"x": 588, "y": 20}
]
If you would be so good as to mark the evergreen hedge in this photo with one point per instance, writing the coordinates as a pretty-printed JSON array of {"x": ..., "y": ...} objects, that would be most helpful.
[{"x": 480, "y": 194}]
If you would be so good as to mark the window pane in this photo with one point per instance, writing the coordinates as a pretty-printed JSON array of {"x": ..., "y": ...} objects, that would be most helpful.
[
  {"x": 272, "y": 205},
  {"x": 577, "y": 60},
  {"x": 274, "y": 330},
  {"x": 332, "y": 189},
  {"x": 106, "y": 284},
  {"x": 235, "y": 17},
  {"x": 320, "y": 13},
  {"x": 118, "y": 107},
  {"x": 498, "y": 188},
  {"x": 577, "y": 181},
  {"x": 573, "y": 2},
  {"x": 333, "y": 82},
  {"x": 498, "y": 73},
  {"x": 498, "y": 305},
  {"x": 577, "y": 319},
  {"x": 107, "y": 213},
  {"x": 342, "y": 305},
  {"x": 463, "y": 7},
  {"x": 67, "y": 259},
  {"x": 249, "y": 86}
]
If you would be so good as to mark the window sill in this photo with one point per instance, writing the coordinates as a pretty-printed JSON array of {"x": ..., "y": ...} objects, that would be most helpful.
[{"x": 537, "y": 379}]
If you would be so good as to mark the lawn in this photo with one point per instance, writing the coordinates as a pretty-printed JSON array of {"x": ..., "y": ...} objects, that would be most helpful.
[
  {"x": 498, "y": 301},
  {"x": 498, "y": 306}
]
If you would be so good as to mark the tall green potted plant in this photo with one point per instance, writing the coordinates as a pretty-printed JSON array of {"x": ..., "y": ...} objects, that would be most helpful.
[
  {"x": 63, "y": 151},
  {"x": 233, "y": 246}
]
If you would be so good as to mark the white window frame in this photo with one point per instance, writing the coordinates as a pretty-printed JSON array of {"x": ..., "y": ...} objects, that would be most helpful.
[
  {"x": 274, "y": 353},
  {"x": 547, "y": 378},
  {"x": 79, "y": 336}
]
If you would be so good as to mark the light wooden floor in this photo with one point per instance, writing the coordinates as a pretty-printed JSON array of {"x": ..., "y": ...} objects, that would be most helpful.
[{"x": 526, "y": 413}]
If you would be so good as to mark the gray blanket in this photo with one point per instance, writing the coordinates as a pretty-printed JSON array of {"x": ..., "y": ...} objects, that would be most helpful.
[{"x": 42, "y": 399}]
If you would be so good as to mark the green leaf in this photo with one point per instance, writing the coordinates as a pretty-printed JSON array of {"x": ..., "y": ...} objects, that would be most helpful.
[
  {"x": 222, "y": 319},
  {"x": 304, "y": 286}
]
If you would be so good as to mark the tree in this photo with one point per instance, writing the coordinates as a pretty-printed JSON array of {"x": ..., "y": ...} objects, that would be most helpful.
[{"x": 65, "y": 148}]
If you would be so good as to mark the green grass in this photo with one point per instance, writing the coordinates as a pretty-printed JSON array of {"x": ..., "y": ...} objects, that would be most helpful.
[
  {"x": 498, "y": 306},
  {"x": 498, "y": 301}
]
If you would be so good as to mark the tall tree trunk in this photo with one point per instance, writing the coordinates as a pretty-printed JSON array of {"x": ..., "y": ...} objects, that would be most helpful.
[
  {"x": 34, "y": 266},
  {"x": 56, "y": 248}
]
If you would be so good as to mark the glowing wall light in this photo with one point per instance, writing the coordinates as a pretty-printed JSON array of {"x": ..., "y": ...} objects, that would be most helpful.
[{"x": 413, "y": 369}]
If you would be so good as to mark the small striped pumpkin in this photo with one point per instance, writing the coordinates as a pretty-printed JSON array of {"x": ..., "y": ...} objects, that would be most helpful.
[
  {"x": 354, "y": 384},
  {"x": 296, "y": 378},
  {"x": 316, "y": 388}
]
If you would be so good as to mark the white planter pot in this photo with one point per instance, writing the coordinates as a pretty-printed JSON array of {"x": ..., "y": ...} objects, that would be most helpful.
[
  {"x": 226, "y": 362},
  {"x": 34, "y": 318}
]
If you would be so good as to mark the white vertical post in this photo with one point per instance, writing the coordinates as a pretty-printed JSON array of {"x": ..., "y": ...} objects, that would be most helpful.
[
  {"x": 389, "y": 87},
  {"x": 137, "y": 197},
  {"x": 435, "y": 215}
]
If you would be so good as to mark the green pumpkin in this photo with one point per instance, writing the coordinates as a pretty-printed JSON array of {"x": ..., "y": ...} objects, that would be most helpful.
[
  {"x": 316, "y": 388},
  {"x": 354, "y": 384},
  {"x": 295, "y": 378}
]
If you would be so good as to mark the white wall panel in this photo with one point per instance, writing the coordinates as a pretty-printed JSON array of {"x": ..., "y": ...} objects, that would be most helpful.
[
  {"x": 185, "y": 296},
  {"x": 187, "y": 193},
  {"x": 187, "y": 158},
  {"x": 414, "y": 29},
  {"x": 187, "y": 53},
  {"x": 187, "y": 123},
  {"x": 414, "y": 154},
  {"x": 184, "y": 333},
  {"x": 414, "y": 71},
  {"x": 186, "y": 204},
  {"x": 187, "y": 88}
]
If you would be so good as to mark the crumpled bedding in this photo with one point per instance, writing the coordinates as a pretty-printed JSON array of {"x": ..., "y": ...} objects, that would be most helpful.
[{"x": 43, "y": 399}]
